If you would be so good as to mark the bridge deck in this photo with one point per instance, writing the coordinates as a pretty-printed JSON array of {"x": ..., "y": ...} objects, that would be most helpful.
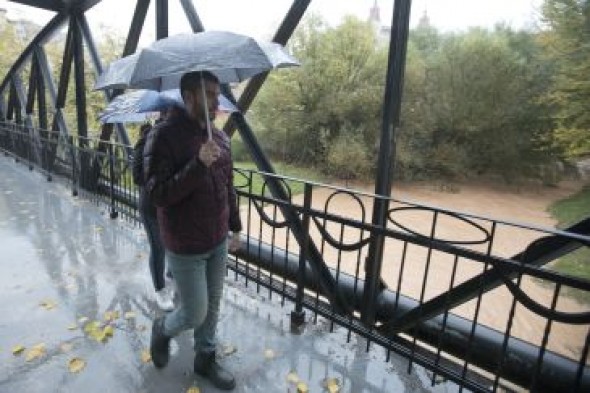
[{"x": 64, "y": 260}]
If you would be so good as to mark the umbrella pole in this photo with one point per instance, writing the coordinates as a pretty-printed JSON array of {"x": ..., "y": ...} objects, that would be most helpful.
[{"x": 206, "y": 107}]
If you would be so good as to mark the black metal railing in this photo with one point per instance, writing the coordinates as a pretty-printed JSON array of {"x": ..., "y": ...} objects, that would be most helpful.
[{"x": 473, "y": 299}]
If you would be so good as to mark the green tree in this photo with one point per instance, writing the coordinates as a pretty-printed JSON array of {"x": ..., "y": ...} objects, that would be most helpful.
[
  {"x": 567, "y": 45},
  {"x": 301, "y": 112},
  {"x": 474, "y": 94}
]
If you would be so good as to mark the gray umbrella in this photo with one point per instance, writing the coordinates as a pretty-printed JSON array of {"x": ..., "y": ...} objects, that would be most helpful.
[{"x": 232, "y": 57}]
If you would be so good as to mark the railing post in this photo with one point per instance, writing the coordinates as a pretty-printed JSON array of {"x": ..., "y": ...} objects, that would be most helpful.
[
  {"x": 74, "y": 174},
  {"x": 114, "y": 212},
  {"x": 45, "y": 158},
  {"x": 298, "y": 315},
  {"x": 30, "y": 148}
]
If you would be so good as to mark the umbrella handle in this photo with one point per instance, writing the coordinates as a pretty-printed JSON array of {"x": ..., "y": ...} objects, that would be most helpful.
[{"x": 207, "y": 120}]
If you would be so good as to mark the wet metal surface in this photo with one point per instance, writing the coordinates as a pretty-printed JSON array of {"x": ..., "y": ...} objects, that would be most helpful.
[{"x": 65, "y": 263}]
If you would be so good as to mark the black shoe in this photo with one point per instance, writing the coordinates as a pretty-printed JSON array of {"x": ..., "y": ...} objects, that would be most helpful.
[
  {"x": 159, "y": 344},
  {"x": 207, "y": 366}
]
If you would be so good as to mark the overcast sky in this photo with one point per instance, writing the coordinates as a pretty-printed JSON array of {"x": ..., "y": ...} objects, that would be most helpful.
[{"x": 260, "y": 18}]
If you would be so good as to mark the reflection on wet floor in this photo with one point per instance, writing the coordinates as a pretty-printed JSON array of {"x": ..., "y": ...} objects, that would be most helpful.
[{"x": 69, "y": 271}]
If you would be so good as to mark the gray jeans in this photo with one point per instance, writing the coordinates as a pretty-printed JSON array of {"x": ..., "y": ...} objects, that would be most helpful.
[{"x": 199, "y": 279}]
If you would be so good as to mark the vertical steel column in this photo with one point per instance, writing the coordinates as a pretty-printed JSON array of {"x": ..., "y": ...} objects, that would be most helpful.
[
  {"x": 12, "y": 102},
  {"x": 391, "y": 113},
  {"x": 86, "y": 181},
  {"x": 41, "y": 98},
  {"x": 2, "y": 107},
  {"x": 80, "y": 81},
  {"x": 161, "y": 19},
  {"x": 32, "y": 86}
]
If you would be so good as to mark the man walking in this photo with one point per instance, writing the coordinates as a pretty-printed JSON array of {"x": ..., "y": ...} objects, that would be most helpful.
[{"x": 189, "y": 178}]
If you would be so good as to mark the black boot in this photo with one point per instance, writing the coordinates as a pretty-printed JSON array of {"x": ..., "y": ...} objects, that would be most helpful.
[
  {"x": 207, "y": 366},
  {"x": 159, "y": 344}
]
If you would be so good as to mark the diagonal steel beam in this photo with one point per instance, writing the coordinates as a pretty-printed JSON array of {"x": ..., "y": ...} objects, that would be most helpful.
[
  {"x": 538, "y": 253},
  {"x": 97, "y": 63},
  {"x": 48, "y": 81},
  {"x": 136, "y": 26},
  {"x": 192, "y": 16},
  {"x": 66, "y": 67},
  {"x": 43, "y": 36},
  {"x": 22, "y": 98},
  {"x": 284, "y": 32}
]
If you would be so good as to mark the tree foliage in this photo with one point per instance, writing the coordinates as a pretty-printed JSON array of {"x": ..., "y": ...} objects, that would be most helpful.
[
  {"x": 470, "y": 102},
  {"x": 567, "y": 45}
]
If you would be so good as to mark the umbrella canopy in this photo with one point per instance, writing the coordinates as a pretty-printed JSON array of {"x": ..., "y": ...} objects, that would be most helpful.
[
  {"x": 118, "y": 74},
  {"x": 231, "y": 57},
  {"x": 142, "y": 105}
]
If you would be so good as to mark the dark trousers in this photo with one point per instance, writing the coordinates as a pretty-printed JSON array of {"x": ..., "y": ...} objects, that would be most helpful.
[{"x": 147, "y": 212}]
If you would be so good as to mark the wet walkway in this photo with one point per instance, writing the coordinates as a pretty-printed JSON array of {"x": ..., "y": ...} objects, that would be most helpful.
[{"x": 69, "y": 272}]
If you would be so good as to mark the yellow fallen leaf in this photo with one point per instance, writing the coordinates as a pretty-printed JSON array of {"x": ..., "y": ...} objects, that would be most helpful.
[
  {"x": 83, "y": 320},
  {"x": 47, "y": 304},
  {"x": 99, "y": 335},
  {"x": 111, "y": 316},
  {"x": 66, "y": 347},
  {"x": 108, "y": 331},
  {"x": 269, "y": 354},
  {"x": 76, "y": 365},
  {"x": 193, "y": 389},
  {"x": 228, "y": 350},
  {"x": 35, "y": 352},
  {"x": 302, "y": 388},
  {"x": 129, "y": 315},
  {"x": 332, "y": 385},
  {"x": 91, "y": 327},
  {"x": 333, "y": 389},
  {"x": 293, "y": 377},
  {"x": 146, "y": 357},
  {"x": 73, "y": 326},
  {"x": 98, "y": 229},
  {"x": 17, "y": 349}
]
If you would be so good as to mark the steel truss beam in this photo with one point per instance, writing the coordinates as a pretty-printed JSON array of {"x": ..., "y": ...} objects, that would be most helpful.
[
  {"x": 44, "y": 35},
  {"x": 538, "y": 253}
]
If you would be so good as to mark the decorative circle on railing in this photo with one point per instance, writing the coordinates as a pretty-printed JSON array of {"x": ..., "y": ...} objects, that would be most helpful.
[
  {"x": 486, "y": 235},
  {"x": 329, "y": 238},
  {"x": 350, "y": 194},
  {"x": 242, "y": 181}
]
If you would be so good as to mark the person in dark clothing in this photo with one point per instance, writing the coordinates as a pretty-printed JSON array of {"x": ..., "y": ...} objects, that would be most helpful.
[
  {"x": 147, "y": 213},
  {"x": 189, "y": 178}
]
